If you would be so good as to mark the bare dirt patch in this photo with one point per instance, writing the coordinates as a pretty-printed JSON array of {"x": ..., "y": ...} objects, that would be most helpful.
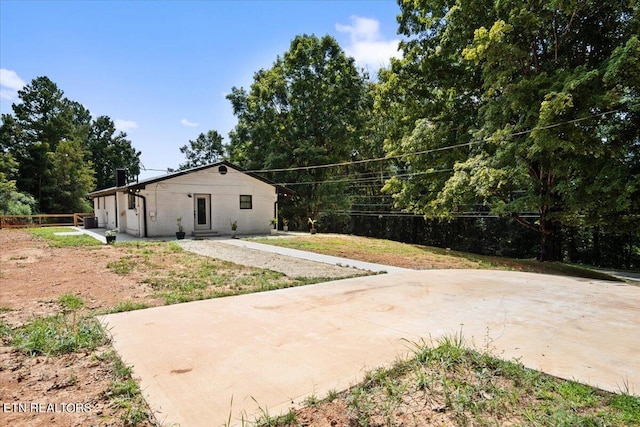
[
  {"x": 71, "y": 389},
  {"x": 34, "y": 275}
]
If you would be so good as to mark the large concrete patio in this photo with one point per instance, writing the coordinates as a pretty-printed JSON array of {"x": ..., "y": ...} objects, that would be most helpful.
[{"x": 275, "y": 348}]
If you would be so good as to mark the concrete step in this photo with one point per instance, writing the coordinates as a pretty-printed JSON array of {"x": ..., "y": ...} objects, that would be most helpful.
[{"x": 204, "y": 233}]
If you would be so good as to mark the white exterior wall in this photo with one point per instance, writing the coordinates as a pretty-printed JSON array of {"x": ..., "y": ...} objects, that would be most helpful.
[
  {"x": 105, "y": 213},
  {"x": 168, "y": 199}
]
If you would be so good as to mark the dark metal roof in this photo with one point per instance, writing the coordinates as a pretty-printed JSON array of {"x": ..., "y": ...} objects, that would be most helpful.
[{"x": 141, "y": 184}]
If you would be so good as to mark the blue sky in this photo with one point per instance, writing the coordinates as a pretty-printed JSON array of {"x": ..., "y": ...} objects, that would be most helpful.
[{"x": 161, "y": 69}]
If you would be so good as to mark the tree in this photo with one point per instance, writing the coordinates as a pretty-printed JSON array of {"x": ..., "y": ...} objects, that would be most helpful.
[
  {"x": 12, "y": 202},
  {"x": 108, "y": 151},
  {"x": 204, "y": 150},
  {"x": 306, "y": 110},
  {"x": 41, "y": 121},
  {"x": 45, "y": 132},
  {"x": 68, "y": 179},
  {"x": 540, "y": 100}
]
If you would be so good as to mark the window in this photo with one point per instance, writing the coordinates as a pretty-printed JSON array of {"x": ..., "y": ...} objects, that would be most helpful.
[
  {"x": 98, "y": 202},
  {"x": 132, "y": 201},
  {"x": 246, "y": 202}
]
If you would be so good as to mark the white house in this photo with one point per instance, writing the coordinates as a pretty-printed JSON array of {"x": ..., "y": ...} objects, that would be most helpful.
[{"x": 207, "y": 198}]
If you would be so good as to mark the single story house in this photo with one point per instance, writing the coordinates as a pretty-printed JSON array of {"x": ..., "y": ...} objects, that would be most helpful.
[{"x": 206, "y": 198}]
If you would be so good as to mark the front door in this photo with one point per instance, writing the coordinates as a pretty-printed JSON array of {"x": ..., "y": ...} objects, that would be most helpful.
[{"x": 202, "y": 211}]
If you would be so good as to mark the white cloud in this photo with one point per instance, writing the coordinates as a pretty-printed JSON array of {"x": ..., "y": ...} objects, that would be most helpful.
[
  {"x": 125, "y": 125},
  {"x": 366, "y": 44},
  {"x": 187, "y": 123},
  {"x": 10, "y": 84}
]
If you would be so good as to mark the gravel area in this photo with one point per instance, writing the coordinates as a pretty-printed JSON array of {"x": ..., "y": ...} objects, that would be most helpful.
[{"x": 292, "y": 267}]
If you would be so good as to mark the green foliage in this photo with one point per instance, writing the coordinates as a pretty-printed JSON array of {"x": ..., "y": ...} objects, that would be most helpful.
[
  {"x": 307, "y": 109},
  {"x": 124, "y": 391},
  {"x": 127, "y": 306},
  {"x": 57, "y": 334},
  {"x": 56, "y": 147},
  {"x": 123, "y": 266},
  {"x": 70, "y": 302},
  {"x": 68, "y": 179},
  {"x": 543, "y": 110},
  {"x": 108, "y": 151},
  {"x": 12, "y": 202},
  {"x": 204, "y": 150}
]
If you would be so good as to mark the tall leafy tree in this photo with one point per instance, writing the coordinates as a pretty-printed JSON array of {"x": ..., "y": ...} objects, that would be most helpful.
[
  {"x": 306, "y": 110},
  {"x": 46, "y": 131},
  {"x": 207, "y": 148},
  {"x": 68, "y": 178},
  {"x": 109, "y": 150},
  {"x": 540, "y": 99},
  {"x": 12, "y": 202},
  {"x": 36, "y": 128}
]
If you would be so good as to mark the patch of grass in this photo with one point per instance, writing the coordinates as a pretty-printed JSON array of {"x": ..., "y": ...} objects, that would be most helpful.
[
  {"x": 177, "y": 276},
  {"x": 422, "y": 257},
  {"x": 57, "y": 334},
  {"x": 127, "y": 306},
  {"x": 5, "y": 330},
  {"x": 123, "y": 266},
  {"x": 264, "y": 419},
  {"x": 70, "y": 302},
  {"x": 124, "y": 392},
  {"x": 450, "y": 384},
  {"x": 4, "y": 309},
  {"x": 53, "y": 240}
]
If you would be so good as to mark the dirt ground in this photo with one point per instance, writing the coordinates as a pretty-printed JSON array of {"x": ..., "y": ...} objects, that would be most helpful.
[{"x": 68, "y": 390}]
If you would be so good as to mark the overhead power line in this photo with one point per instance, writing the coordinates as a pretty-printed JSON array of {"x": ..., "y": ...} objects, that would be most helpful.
[{"x": 434, "y": 150}]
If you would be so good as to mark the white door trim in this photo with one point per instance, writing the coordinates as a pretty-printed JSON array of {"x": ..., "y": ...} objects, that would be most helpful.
[{"x": 202, "y": 211}]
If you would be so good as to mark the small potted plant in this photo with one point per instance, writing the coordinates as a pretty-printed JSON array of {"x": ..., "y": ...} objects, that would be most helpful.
[
  {"x": 234, "y": 227},
  {"x": 274, "y": 225},
  {"x": 180, "y": 232},
  {"x": 285, "y": 224},
  {"x": 110, "y": 235},
  {"x": 312, "y": 223}
]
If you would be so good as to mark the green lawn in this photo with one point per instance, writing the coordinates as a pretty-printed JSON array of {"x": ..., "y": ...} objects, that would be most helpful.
[
  {"x": 421, "y": 257},
  {"x": 54, "y": 240}
]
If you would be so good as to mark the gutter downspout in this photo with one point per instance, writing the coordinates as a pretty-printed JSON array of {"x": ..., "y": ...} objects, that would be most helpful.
[
  {"x": 115, "y": 196},
  {"x": 144, "y": 211}
]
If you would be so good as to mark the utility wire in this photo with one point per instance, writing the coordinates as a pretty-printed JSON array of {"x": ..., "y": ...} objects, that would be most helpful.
[{"x": 433, "y": 150}]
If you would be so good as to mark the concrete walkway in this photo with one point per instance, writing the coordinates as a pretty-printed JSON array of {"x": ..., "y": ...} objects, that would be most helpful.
[
  {"x": 273, "y": 349},
  {"x": 311, "y": 256}
]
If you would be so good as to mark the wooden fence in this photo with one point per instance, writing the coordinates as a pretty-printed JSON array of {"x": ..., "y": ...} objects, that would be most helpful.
[{"x": 43, "y": 220}]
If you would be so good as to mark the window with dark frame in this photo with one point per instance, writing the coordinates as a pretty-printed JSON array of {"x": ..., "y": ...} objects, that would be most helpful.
[
  {"x": 132, "y": 201},
  {"x": 246, "y": 201}
]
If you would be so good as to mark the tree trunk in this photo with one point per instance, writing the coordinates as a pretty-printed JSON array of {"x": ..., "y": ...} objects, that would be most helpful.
[
  {"x": 572, "y": 249},
  {"x": 550, "y": 241}
]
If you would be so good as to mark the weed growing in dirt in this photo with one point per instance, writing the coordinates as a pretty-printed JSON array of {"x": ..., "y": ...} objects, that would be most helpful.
[
  {"x": 5, "y": 330},
  {"x": 56, "y": 335},
  {"x": 124, "y": 392},
  {"x": 70, "y": 302},
  {"x": 127, "y": 306},
  {"x": 123, "y": 266}
]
